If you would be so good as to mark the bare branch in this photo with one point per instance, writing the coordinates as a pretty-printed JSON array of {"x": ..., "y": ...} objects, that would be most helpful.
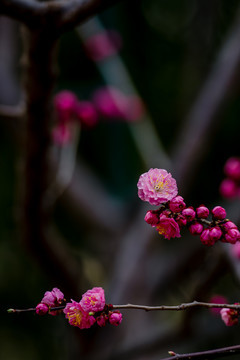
[{"x": 210, "y": 354}]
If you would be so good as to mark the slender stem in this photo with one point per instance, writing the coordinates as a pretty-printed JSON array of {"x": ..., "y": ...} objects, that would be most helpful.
[
  {"x": 183, "y": 306},
  {"x": 210, "y": 354}
]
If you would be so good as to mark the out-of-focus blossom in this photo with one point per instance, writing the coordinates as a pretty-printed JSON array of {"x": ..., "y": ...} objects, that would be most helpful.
[
  {"x": 168, "y": 227},
  {"x": 157, "y": 186},
  {"x": 235, "y": 250},
  {"x": 86, "y": 113},
  {"x": 228, "y": 188},
  {"x": 93, "y": 300},
  {"x": 61, "y": 134},
  {"x": 103, "y": 45},
  {"x": 232, "y": 168},
  {"x": 112, "y": 103},
  {"x": 217, "y": 299},
  {"x": 77, "y": 316},
  {"x": 64, "y": 103}
]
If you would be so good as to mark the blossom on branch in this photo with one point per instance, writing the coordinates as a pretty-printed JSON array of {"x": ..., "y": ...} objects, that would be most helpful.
[
  {"x": 229, "y": 316},
  {"x": 168, "y": 227},
  {"x": 93, "y": 300},
  {"x": 157, "y": 186},
  {"x": 77, "y": 316}
]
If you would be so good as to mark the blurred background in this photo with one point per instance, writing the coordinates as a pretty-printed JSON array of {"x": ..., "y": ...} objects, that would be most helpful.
[{"x": 175, "y": 68}]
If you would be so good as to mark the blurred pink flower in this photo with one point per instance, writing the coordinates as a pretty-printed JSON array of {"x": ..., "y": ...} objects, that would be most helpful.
[
  {"x": 228, "y": 188},
  {"x": 86, "y": 113},
  {"x": 77, "y": 316},
  {"x": 64, "y": 103},
  {"x": 232, "y": 168},
  {"x": 42, "y": 309},
  {"x": 229, "y": 316},
  {"x": 112, "y": 103},
  {"x": 235, "y": 250},
  {"x": 103, "y": 45},
  {"x": 61, "y": 134},
  {"x": 93, "y": 300},
  {"x": 157, "y": 186},
  {"x": 168, "y": 227},
  {"x": 217, "y": 299}
]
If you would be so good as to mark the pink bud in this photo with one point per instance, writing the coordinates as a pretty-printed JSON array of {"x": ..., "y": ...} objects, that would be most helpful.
[
  {"x": 202, "y": 212},
  {"x": 102, "y": 320},
  {"x": 232, "y": 236},
  {"x": 228, "y": 188},
  {"x": 206, "y": 239},
  {"x": 219, "y": 213},
  {"x": 151, "y": 218},
  {"x": 189, "y": 214},
  {"x": 217, "y": 299},
  {"x": 177, "y": 204},
  {"x": 115, "y": 318},
  {"x": 181, "y": 220},
  {"x": 228, "y": 226},
  {"x": 86, "y": 113},
  {"x": 232, "y": 168},
  {"x": 42, "y": 309},
  {"x": 195, "y": 228},
  {"x": 215, "y": 233}
]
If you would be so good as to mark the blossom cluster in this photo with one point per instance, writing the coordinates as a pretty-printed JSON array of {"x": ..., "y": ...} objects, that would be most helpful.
[
  {"x": 106, "y": 102},
  {"x": 91, "y": 309},
  {"x": 158, "y": 187},
  {"x": 230, "y": 186}
]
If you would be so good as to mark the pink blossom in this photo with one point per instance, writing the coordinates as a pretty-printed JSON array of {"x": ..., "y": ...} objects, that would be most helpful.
[
  {"x": 65, "y": 102},
  {"x": 86, "y": 113},
  {"x": 229, "y": 316},
  {"x": 219, "y": 213},
  {"x": 181, "y": 220},
  {"x": 53, "y": 298},
  {"x": 103, "y": 45},
  {"x": 228, "y": 188},
  {"x": 42, "y": 309},
  {"x": 61, "y": 134},
  {"x": 195, "y": 228},
  {"x": 189, "y": 214},
  {"x": 217, "y": 299},
  {"x": 151, "y": 218},
  {"x": 77, "y": 316},
  {"x": 232, "y": 168},
  {"x": 168, "y": 227},
  {"x": 93, "y": 300},
  {"x": 202, "y": 212},
  {"x": 177, "y": 204},
  {"x": 115, "y": 318},
  {"x": 157, "y": 186},
  {"x": 228, "y": 226}
]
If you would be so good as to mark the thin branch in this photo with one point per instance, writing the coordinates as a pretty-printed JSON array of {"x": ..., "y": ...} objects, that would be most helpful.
[
  {"x": 210, "y": 354},
  {"x": 180, "y": 307}
]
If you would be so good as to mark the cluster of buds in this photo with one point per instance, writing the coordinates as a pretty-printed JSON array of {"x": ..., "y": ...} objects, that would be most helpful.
[
  {"x": 106, "y": 103},
  {"x": 229, "y": 316},
  {"x": 230, "y": 186},
  {"x": 159, "y": 188},
  {"x": 91, "y": 309}
]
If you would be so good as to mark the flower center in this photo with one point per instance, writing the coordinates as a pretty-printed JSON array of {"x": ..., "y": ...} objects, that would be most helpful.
[{"x": 75, "y": 318}]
